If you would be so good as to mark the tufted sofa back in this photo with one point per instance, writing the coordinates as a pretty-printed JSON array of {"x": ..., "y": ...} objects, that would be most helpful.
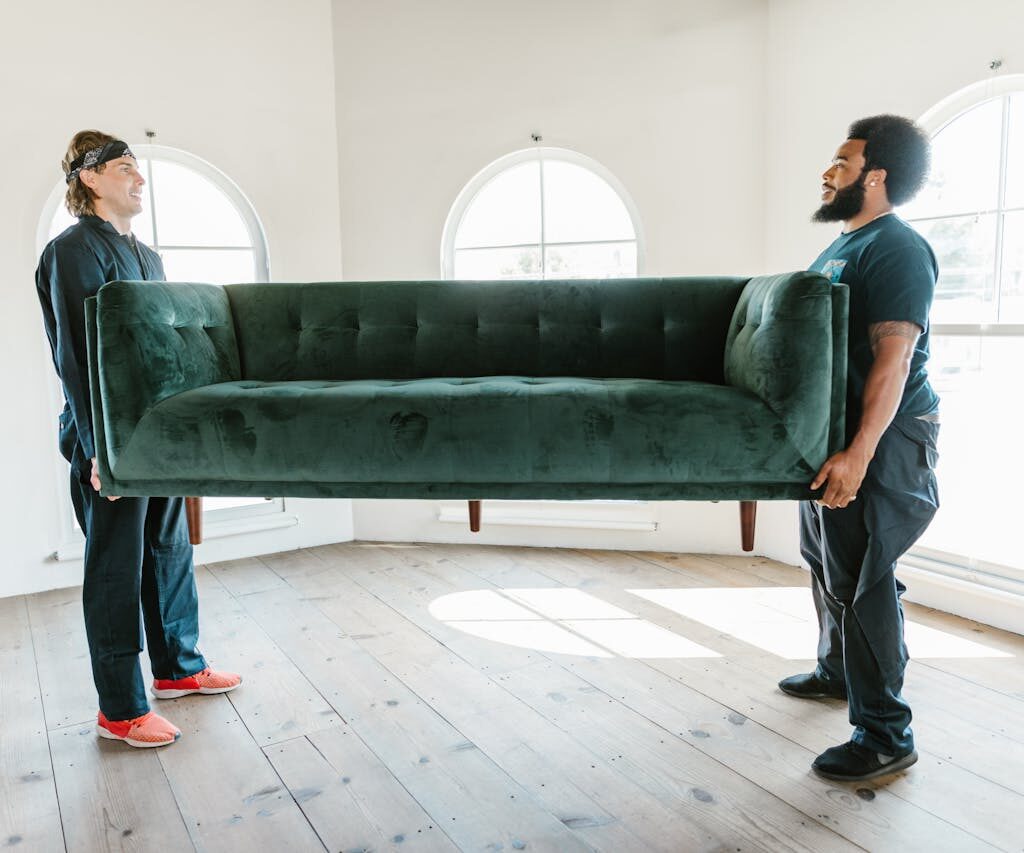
[{"x": 671, "y": 328}]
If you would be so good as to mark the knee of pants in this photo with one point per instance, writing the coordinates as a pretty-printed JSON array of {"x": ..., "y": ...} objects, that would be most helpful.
[{"x": 840, "y": 591}]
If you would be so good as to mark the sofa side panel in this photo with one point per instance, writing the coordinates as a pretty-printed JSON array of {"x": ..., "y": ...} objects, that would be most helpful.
[
  {"x": 781, "y": 347},
  {"x": 649, "y": 328},
  {"x": 840, "y": 337},
  {"x": 154, "y": 340},
  {"x": 96, "y": 400}
]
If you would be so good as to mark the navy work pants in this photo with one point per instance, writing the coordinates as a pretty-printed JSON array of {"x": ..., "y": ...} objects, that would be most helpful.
[
  {"x": 852, "y": 553},
  {"x": 137, "y": 555}
]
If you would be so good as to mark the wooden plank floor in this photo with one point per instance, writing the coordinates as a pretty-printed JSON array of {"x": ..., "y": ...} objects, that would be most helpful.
[{"x": 452, "y": 697}]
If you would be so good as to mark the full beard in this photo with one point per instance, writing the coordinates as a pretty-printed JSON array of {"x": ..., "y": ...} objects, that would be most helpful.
[{"x": 845, "y": 204}]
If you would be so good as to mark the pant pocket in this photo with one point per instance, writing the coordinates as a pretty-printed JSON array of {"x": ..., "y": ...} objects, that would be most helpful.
[{"x": 67, "y": 435}]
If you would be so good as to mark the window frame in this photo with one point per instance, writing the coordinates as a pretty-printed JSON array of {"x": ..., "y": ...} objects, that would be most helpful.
[
  {"x": 937, "y": 119},
  {"x": 540, "y": 153},
  {"x": 945, "y": 563}
]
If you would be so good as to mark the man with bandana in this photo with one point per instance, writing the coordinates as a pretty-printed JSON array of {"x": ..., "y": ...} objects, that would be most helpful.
[
  {"x": 880, "y": 491},
  {"x": 137, "y": 553}
]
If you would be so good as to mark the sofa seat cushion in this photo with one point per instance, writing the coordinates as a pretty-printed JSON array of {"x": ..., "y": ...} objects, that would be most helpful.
[{"x": 494, "y": 429}]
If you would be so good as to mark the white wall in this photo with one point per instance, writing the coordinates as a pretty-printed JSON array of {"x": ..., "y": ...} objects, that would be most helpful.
[
  {"x": 247, "y": 85},
  {"x": 667, "y": 94}
]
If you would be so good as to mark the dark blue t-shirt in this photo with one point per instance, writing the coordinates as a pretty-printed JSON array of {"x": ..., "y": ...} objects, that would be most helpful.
[{"x": 891, "y": 272}]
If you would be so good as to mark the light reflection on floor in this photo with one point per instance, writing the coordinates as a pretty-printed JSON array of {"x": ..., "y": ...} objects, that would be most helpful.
[
  {"x": 779, "y": 620},
  {"x": 563, "y": 621}
]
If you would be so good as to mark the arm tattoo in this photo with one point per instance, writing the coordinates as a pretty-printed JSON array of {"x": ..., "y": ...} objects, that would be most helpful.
[{"x": 893, "y": 328}]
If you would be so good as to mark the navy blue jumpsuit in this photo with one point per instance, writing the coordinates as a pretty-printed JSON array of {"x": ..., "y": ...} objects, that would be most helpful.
[
  {"x": 891, "y": 272},
  {"x": 137, "y": 552}
]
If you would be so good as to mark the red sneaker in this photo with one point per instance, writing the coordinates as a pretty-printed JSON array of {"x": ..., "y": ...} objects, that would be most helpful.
[
  {"x": 145, "y": 731},
  {"x": 206, "y": 681}
]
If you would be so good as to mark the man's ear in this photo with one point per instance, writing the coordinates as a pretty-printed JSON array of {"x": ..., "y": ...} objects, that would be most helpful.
[
  {"x": 89, "y": 179},
  {"x": 876, "y": 178}
]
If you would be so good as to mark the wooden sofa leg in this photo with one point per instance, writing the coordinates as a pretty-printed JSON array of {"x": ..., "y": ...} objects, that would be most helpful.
[
  {"x": 474, "y": 516},
  {"x": 194, "y": 517},
  {"x": 748, "y": 517}
]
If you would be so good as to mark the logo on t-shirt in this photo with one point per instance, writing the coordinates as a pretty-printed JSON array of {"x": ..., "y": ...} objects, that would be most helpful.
[{"x": 833, "y": 270}]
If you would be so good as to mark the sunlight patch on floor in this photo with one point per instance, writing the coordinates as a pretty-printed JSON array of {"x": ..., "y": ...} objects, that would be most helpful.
[
  {"x": 782, "y": 621},
  {"x": 562, "y": 621}
]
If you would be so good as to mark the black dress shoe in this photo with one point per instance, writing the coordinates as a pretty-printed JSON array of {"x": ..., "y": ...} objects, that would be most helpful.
[
  {"x": 852, "y": 762},
  {"x": 810, "y": 686}
]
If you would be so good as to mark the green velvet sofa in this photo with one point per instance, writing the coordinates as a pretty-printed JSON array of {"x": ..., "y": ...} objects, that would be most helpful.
[{"x": 649, "y": 388}]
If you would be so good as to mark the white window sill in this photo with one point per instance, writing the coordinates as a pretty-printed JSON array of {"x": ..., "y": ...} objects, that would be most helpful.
[{"x": 984, "y": 592}]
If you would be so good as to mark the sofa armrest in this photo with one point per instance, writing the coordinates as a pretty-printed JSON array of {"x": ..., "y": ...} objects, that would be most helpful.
[
  {"x": 148, "y": 341},
  {"x": 787, "y": 344}
]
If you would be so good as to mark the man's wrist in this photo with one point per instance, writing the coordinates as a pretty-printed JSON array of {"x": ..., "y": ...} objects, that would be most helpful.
[{"x": 863, "y": 446}]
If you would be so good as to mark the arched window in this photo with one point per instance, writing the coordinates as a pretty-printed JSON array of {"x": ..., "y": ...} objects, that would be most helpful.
[
  {"x": 204, "y": 229},
  {"x": 972, "y": 213},
  {"x": 542, "y": 213}
]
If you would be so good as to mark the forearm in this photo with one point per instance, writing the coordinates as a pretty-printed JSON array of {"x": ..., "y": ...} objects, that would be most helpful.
[
  {"x": 68, "y": 276},
  {"x": 883, "y": 391}
]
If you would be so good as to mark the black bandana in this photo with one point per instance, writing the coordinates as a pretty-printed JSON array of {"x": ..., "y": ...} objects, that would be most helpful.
[{"x": 94, "y": 157}]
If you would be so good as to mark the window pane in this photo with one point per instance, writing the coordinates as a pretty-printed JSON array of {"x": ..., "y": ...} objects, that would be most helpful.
[
  {"x": 580, "y": 206},
  {"x": 1011, "y": 302},
  {"x": 978, "y": 380},
  {"x": 61, "y": 221},
  {"x": 1015, "y": 153},
  {"x": 965, "y": 247},
  {"x": 593, "y": 260},
  {"x": 191, "y": 211},
  {"x": 498, "y": 263},
  {"x": 505, "y": 212},
  {"x": 212, "y": 266},
  {"x": 965, "y": 165}
]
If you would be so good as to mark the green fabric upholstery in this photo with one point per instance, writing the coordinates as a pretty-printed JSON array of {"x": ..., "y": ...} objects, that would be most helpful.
[
  {"x": 713, "y": 388},
  {"x": 552, "y": 430},
  {"x": 617, "y": 328},
  {"x": 157, "y": 341},
  {"x": 780, "y": 348}
]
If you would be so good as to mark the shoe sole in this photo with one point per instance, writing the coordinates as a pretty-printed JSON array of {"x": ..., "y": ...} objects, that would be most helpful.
[
  {"x": 840, "y": 696},
  {"x": 138, "y": 744},
  {"x": 890, "y": 768},
  {"x": 205, "y": 691}
]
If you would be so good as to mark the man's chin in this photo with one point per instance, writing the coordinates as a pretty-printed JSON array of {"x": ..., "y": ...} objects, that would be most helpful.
[{"x": 826, "y": 213}]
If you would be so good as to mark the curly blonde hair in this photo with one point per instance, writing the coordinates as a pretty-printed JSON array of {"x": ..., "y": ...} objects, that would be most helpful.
[{"x": 78, "y": 198}]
